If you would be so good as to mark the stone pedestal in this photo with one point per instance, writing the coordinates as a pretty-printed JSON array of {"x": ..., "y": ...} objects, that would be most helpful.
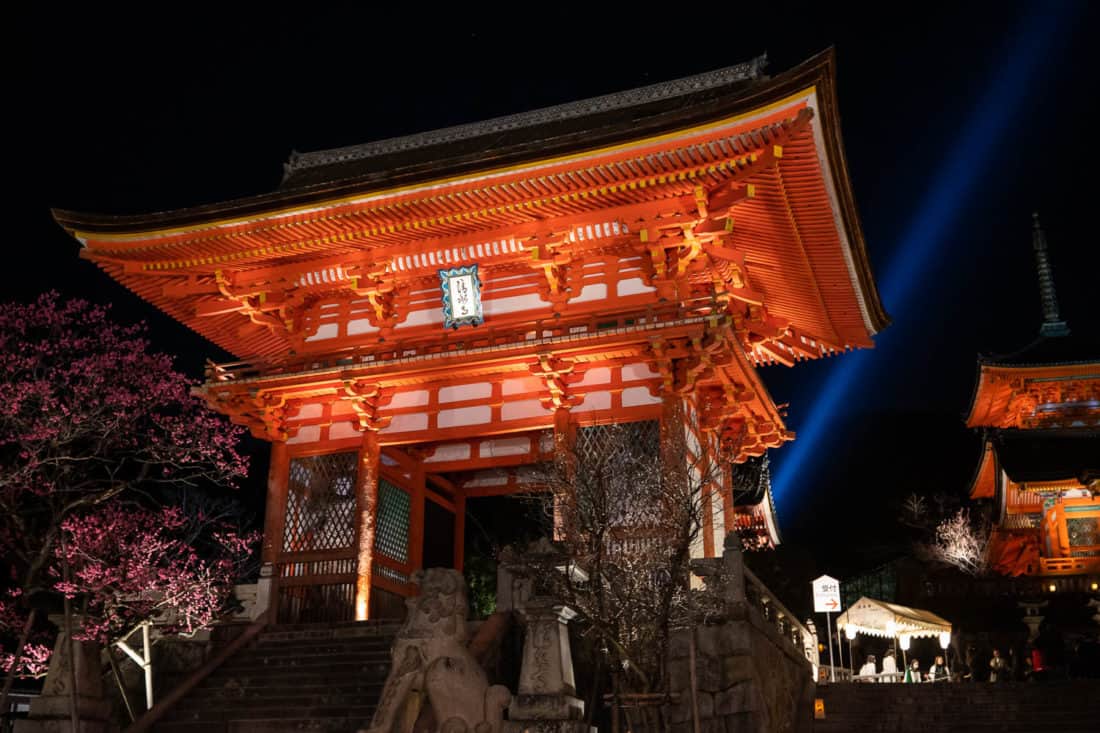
[
  {"x": 50, "y": 712},
  {"x": 547, "y": 698}
]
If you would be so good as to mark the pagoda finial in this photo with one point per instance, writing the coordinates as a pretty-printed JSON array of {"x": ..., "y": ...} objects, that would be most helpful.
[{"x": 1052, "y": 324}]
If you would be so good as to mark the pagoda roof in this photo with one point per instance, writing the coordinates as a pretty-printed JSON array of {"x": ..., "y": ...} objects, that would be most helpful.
[
  {"x": 1010, "y": 394},
  {"x": 1049, "y": 455},
  {"x": 225, "y": 268}
]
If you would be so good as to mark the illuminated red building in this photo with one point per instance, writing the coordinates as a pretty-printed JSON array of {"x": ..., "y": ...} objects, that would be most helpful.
[
  {"x": 1039, "y": 412},
  {"x": 418, "y": 319}
]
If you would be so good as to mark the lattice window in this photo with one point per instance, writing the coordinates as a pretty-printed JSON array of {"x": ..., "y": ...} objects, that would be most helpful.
[
  {"x": 391, "y": 536},
  {"x": 1083, "y": 532},
  {"x": 320, "y": 504},
  {"x": 610, "y": 445}
]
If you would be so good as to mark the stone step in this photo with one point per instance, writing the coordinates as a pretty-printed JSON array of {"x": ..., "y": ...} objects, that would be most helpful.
[
  {"x": 305, "y": 695},
  {"x": 305, "y": 632},
  {"x": 254, "y": 659},
  {"x": 272, "y": 712},
  {"x": 352, "y": 642},
  {"x": 261, "y": 725},
  {"x": 227, "y": 707},
  {"x": 227, "y": 688},
  {"x": 318, "y": 671}
]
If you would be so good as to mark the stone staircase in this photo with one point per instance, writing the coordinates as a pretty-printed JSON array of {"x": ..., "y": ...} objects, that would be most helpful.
[
  {"x": 1064, "y": 706},
  {"x": 309, "y": 677}
]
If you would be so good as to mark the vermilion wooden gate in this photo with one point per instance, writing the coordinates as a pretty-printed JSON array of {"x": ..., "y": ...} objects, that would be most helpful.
[
  {"x": 316, "y": 571},
  {"x": 317, "y": 566}
]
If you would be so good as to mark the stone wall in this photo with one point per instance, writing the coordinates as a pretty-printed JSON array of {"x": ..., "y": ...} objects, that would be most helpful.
[
  {"x": 752, "y": 674},
  {"x": 749, "y": 679}
]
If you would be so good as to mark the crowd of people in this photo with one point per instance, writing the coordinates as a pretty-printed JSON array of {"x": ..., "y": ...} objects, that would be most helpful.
[
  {"x": 1046, "y": 657},
  {"x": 937, "y": 672}
]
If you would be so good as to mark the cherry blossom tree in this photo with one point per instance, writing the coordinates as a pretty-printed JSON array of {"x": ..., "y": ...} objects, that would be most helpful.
[
  {"x": 962, "y": 543},
  {"x": 130, "y": 564},
  {"x": 89, "y": 416}
]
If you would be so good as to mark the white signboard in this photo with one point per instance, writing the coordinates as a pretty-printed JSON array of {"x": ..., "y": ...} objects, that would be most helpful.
[
  {"x": 461, "y": 296},
  {"x": 826, "y": 595}
]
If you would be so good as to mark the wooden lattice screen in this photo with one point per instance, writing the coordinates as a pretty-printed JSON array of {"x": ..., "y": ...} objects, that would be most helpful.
[
  {"x": 317, "y": 567},
  {"x": 391, "y": 569}
]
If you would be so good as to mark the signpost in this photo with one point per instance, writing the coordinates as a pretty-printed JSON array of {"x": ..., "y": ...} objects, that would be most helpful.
[{"x": 827, "y": 601}]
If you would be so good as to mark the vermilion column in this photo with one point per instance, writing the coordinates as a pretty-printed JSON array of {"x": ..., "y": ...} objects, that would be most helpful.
[
  {"x": 416, "y": 514},
  {"x": 564, "y": 440},
  {"x": 366, "y": 500},
  {"x": 275, "y": 512},
  {"x": 460, "y": 531}
]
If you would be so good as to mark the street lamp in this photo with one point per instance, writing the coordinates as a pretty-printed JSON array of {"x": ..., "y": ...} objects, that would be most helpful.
[
  {"x": 904, "y": 648},
  {"x": 850, "y": 632},
  {"x": 892, "y": 630},
  {"x": 945, "y": 640}
]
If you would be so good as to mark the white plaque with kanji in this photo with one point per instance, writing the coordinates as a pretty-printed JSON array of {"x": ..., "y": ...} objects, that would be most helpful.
[{"x": 461, "y": 296}]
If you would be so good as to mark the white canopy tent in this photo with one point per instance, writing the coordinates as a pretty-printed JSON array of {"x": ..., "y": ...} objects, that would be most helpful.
[
  {"x": 879, "y": 618},
  {"x": 889, "y": 620}
]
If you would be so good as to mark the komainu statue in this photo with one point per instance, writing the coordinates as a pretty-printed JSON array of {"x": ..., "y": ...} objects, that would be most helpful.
[{"x": 432, "y": 664}]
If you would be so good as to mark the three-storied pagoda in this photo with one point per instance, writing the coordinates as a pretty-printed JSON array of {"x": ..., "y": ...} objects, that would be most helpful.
[
  {"x": 420, "y": 318},
  {"x": 1039, "y": 411}
]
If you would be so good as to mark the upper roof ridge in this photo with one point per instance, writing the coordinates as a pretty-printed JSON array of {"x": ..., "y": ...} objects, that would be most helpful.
[{"x": 746, "y": 71}]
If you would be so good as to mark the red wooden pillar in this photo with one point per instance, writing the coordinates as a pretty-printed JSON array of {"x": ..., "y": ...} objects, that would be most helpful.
[
  {"x": 278, "y": 476},
  {"x": 672, "y": 432},
  {"x": 564, "y": 441},
  {"x": 366, "y": 501},
  {"x": 727, "y": 499},
  {"x": 460, "y": 530},
  {"x": 708, "y": 488},
  {"x": 416, "y": 513}
]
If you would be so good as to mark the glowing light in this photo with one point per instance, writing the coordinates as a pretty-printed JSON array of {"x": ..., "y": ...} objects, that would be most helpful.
[
  {"x": 945, "y": 639},
  {"x": 1095, "y": 586},
  {"x": 965, "y": 163},
  {"x": 850, "y": 631},
  {"x": 1052, "y": 587},
  {"x": 904, "y": 642}
]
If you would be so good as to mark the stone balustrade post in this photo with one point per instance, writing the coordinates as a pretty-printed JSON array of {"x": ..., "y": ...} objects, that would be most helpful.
[
  {"x": 50, "y": 711},
  {"x": 733, "y": 573},
  {"x": 547, "y": 690}
]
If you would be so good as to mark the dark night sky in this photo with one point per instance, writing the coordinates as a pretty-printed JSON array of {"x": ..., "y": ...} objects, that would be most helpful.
[{"x": 127, "y": 114}]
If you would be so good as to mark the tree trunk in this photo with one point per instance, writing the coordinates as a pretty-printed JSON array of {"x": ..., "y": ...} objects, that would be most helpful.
[
  {"x": 74, "y": 715},
  {"x": 9, "y": 678}
]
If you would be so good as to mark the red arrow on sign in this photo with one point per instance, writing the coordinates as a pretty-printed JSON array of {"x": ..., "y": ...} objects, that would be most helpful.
[{"x": 832, "y": 604}]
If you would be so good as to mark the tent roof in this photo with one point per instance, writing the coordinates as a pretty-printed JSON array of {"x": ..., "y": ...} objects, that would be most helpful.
[{"x": 872, "y": 617}]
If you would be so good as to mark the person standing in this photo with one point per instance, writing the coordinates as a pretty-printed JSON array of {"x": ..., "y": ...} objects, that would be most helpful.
[
  {"x": 998, "y": 667},
  {"x": 939, "y": 672},
  {"x": 912, "y": 672},
  {"x": 889, "y": 666},
  {"x": 868, "y": 668}
]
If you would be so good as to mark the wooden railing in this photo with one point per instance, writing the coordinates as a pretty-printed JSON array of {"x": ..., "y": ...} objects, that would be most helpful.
[
  {"x": 444, "y": 343},
  {"x": 1024, "y": 586}
]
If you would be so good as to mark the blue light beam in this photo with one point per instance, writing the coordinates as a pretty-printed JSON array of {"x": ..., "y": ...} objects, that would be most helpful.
[{"x": 965, "y": 164}]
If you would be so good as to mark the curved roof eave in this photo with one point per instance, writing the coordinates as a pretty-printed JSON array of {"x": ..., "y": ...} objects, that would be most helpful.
[{"x": 818, "y": 72}]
